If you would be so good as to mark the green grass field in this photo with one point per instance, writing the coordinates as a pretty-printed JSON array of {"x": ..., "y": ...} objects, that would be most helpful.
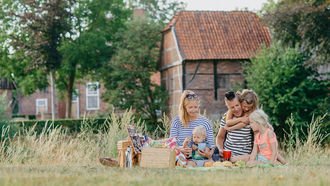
[{"x": 99, "y": 175}]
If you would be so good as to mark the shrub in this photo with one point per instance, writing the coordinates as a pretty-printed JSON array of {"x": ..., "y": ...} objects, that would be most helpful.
[{"x": 287, "y": 87}]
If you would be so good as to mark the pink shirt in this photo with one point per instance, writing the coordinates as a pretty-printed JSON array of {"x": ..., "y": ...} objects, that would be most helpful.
[{"x": 263, "y": 142}]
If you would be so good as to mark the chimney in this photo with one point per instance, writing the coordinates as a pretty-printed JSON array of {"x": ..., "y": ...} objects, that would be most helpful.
[{"x": 138, "y": 13}]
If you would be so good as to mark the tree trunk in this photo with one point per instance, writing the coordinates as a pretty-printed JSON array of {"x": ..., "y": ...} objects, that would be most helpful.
[
  {"x": 53, "y": 96},
  {"x": 69, "y": 92}
]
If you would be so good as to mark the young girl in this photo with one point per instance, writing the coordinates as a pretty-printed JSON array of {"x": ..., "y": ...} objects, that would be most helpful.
[
  {"x": 265, "y": 148},
  {"x": 199, "y": 145},
  {"x": 249, "y": 102}
]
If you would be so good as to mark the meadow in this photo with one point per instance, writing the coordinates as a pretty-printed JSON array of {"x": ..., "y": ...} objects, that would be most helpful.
[{"x": 55, "y": 157}]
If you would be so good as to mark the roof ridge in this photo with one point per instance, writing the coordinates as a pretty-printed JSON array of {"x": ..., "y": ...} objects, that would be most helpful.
[
  {"x": 219, "y": 34},
  {"x": 217, "y": 11}
]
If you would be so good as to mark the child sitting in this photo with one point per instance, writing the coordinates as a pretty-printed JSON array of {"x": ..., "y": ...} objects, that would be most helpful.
[
  {"x": 265, "y": 148},
  {"x": 198, "y": 145}
]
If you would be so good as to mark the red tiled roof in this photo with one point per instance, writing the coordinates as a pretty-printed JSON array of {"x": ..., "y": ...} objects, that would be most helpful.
[{"x": 219, "y": 34}]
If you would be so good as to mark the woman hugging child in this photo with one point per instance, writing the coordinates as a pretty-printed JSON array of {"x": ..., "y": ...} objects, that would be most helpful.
[{"x": 249, "y": 103}]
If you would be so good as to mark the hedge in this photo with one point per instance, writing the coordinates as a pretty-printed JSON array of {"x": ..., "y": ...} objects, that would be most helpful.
[{"x": 72, "y": 125}]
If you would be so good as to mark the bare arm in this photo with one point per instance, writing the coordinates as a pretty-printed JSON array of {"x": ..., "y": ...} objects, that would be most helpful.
[
  {"x": 229, "y": 115},
  {"x": 237, "y": 126},
  {"x": 185, "y": 142},
  {"x": 273, "y": 147},
  {"x": 220, "y": 139},
  {"x": 254, "y": 152},
  {"x": 235, "y": 121}
]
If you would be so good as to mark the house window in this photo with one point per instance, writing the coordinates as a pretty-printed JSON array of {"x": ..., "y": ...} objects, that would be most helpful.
[
  {"x": 92, "y": 96},
  {"x": 41, "y": 106},
  {"x": 75, "y": 95}
]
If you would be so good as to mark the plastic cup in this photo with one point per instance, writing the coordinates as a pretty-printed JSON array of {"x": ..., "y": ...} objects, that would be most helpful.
[
  {"x": 226, "y": 155},
  {"x": 201, "y": 146}
]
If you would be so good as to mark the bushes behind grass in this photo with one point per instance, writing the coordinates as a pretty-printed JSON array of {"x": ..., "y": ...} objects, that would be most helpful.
[{"x": 71, "y": 125}]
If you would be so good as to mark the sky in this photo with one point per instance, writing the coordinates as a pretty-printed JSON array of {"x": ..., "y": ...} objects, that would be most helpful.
[{"x": 252, "y": 5}]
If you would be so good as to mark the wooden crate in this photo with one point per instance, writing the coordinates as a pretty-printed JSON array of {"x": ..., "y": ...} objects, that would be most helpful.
[
  {"x": 157, "y": 158},
  {"x": 121, "y": 149},
  {"x": 122, "y": 146}
]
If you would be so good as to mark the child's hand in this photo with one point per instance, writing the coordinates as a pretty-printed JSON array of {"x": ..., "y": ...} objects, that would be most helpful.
[
  {"x": 245, "y": 119},
  {"x": 206, "y": 153},
  {"x": 194, "y": 147},
  {"x": 226, "y": 128}
]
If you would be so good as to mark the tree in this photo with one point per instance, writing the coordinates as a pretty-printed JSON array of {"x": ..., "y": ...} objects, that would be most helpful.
[
  {"x": 302, "y": 23},
  {"x": 34, "y": 32},
  {"x": 286, "y": 86},
  {"x": 90, "y": 46},
  {"x": 160, "y": 11},
  {"x": 128, "y": 82},
  {"x": 70, "y": 39}
]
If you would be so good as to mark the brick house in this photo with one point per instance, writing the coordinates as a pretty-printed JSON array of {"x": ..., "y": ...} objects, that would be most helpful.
[
  {"x": 203, "y": 51},
  {"x": 86, "y": 101}
]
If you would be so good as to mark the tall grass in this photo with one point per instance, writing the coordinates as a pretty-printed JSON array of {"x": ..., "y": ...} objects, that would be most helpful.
[
  {"x": 306, "y": 148},
  {"x": 55, "y": 146}
]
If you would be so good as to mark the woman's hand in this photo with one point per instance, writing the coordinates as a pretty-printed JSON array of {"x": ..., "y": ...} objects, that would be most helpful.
[
  {"x": 207, "y": 153},
  {"x": 186, "y": 151}
]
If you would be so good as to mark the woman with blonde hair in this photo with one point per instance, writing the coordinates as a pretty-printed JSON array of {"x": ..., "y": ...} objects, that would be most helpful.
[{"x": 187, "y": 119}]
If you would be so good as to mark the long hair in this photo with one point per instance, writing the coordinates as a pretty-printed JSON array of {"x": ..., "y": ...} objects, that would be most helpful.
[
  {"x": 186, "y": 97},
  {"x": 261, "y": 118},
  {"x": 250, "y": 97}
]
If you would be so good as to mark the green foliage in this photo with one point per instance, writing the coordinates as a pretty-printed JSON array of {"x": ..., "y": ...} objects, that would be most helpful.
[
  {"x": 285, "y": 86},
  {"x": 90, "y": 44},
  {"x": 34, "y": 29},
  {"x": 70, "y": 38},
  {"x": 303, "y": 146},
  {"x": 160, "y": 11},
  {"x": 71, "y": 125},
  {"x": 128, "y": 83},
  {"x": 303, "y": 23}
]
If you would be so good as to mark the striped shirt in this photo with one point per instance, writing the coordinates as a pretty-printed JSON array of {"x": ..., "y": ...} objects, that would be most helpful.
[
  {"x": 239, "y": 141},
  {"x": 180, "y": 132}
]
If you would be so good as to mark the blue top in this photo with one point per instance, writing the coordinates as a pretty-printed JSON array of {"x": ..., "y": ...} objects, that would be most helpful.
[
  {"x": 180, "y": 132},
  {"x": 201, "y": 146}
]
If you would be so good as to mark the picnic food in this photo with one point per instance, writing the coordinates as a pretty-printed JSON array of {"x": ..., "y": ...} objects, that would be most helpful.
[
  {"x": 227, "y": 163},
  {"x": 208, "y": 164},
  {"x": 217, "y": 164},
  {"x": 223, "y": 164},
  {"x": 240, "y": 163}
]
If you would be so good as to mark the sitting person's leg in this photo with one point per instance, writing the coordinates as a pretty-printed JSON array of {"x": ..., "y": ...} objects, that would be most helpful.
[
  {"x": 244, "y": 157},
  {"x": 191, "y": 163},
  {"x": 281, "y": 159},
  {"x": 260, "y": 159}
]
